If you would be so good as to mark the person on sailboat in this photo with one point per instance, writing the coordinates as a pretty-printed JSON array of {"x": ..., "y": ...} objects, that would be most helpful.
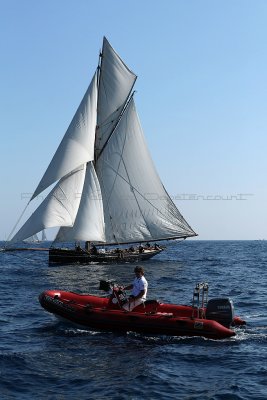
[
  {"x": 78, "y": 247},
  {"x": 141, "y": 249},
  {"x": 94, "y": 250},
  {"x": 139, "y": 290}
]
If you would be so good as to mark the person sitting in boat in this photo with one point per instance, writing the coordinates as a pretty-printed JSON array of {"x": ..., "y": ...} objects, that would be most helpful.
[
  {"x": 119, "y": 252},
  {"x": 139, "y": 290},
  {"x": 94, "y": 250},
  {"x": 131, "y": 249},
  {"x": 141, "y": 249}
]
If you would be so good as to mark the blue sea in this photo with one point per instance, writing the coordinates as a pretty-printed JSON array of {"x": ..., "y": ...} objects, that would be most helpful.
[{"x": 42, "y": 358}]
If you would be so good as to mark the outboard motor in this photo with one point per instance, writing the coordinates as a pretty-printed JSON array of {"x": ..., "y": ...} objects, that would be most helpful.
[{"x": 220, "y": 310}]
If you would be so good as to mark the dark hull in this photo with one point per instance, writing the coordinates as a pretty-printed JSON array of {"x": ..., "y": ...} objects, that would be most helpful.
[{"x": 68, "y": 256}]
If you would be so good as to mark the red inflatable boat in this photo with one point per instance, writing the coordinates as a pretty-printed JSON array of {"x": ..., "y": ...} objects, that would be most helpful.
[{"x": 212, "y": 319}]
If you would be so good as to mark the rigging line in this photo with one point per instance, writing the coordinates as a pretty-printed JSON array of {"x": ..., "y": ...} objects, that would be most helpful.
[
  {"x": 119, "y": 164},
  {"x": 131, "y": 186},
  {"x": 100, "y": 177},
  {"x": 110, "y": 193},
  {"x": 183, "y": 219},
  {"x": 18, "y": 221},
  {"x": 144, "y": 198},
  {"x": 125, "y": 106},
  {"x": 125, "y": 180},
  {"x": 140, "y": 210},
  {"x": 107, "y": 122},
  {"x": 62, "y": 191},
  {"x": 182, "y": 223}
]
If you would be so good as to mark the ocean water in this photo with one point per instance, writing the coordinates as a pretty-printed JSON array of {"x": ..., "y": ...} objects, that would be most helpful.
[{"x": 43, "y": 358}]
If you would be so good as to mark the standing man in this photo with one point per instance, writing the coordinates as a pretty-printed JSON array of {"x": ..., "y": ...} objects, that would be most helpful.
[{"x": 139, "y": 290}]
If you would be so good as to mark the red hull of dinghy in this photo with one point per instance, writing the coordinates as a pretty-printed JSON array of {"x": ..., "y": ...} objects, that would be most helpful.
[{"x": 155, "y": 318}]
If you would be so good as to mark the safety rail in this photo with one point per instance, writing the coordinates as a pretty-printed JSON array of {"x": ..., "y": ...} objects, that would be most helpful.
[{"x": 200, "y": 299}]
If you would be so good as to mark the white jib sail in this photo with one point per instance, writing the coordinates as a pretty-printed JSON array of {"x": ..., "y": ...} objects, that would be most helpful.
[
  {"x": 89, "y": 224},
  {"x": 137, "y": 206},
  {"x": 58, "y": 209},
  {"x": 77, "y": 146},
  {"x": 115, "y": 85}
]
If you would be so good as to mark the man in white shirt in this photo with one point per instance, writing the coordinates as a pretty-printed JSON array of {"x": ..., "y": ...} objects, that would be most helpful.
[{"x": 139, "y": 290}]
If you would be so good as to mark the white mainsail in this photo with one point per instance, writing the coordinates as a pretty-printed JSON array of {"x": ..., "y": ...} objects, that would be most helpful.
[
  {"x": 108, "y": 189},
  {"x": 137, "y": 207}
]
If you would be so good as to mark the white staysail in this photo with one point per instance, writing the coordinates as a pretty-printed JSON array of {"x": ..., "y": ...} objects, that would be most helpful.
[
  {"x": 89, "y": 223},
  {"x": 115, "y": 85},
  {"x": 137, "y": 207},
  {"x": 59, "y": 208},
  {"x": 77, "y": 146}
]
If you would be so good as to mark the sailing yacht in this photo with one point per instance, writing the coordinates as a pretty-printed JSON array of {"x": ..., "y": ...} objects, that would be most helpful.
[{"x": 106, "y": 190}]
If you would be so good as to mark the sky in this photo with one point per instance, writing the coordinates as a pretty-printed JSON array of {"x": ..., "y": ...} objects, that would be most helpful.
[{"x": 201, "y": 96}]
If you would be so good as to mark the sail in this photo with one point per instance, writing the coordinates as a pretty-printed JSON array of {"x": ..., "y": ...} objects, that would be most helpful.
[
  {"x": 59, "y": 208},
  {"x": 137, "y": 206},
  {"x": 44, "y": 238},
  {"x": 89, "y": 224},
  {"x": 77, "y": 146},
  {"x": 108, "y": 189},
  {"x": 115, "y": 84},
  {"x": 32, "y": 239}
]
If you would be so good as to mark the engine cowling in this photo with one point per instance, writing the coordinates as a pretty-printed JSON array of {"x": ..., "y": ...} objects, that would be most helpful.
[{"x": 220, "y": 310}]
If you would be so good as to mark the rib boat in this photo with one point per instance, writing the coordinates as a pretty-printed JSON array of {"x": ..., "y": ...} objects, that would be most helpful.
[{"x": 213, "y": 319}]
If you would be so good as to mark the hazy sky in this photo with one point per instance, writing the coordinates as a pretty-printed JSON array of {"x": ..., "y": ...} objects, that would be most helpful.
[{"x": 201, "y": 97}]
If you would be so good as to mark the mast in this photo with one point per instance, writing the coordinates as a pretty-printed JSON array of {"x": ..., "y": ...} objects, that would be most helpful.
[
  {"x": 118, "y": 121},
  {"x": 104, "y": 157},
  {"x": 98, "y": 83},
  {"x": 115, "y": 85}
]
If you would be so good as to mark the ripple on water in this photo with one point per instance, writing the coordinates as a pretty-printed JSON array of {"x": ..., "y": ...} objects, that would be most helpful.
[{"x": 43, "y": 358}]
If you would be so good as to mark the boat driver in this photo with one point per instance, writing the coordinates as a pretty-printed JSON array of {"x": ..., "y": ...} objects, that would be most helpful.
[{"x": 139, "y": 290}]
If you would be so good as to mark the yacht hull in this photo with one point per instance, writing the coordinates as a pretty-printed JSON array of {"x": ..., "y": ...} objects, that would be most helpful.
[{"x": 68, "y": 256}]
